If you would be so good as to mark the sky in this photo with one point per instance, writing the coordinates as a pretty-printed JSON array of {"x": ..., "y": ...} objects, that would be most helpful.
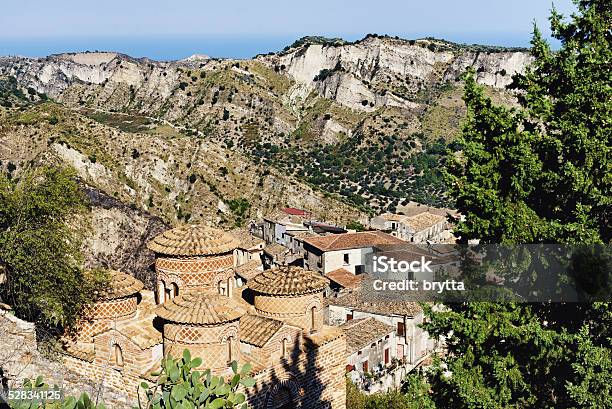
[{"x": 166, "y": 29}]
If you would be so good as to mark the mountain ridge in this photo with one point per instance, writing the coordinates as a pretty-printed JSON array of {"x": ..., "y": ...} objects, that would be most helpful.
[{"x": 301, "y": 111}]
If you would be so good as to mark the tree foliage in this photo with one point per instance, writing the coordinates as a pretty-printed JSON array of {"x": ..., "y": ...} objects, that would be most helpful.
[
  {"x": 537, "y": 174},
  {"x": 40, "y": 251},
  {"x": 543, "y": 172}
]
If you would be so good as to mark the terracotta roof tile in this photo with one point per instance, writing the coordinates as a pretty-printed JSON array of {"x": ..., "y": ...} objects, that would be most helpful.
[
  {"x": 363, "y": 332},
  {"x": 356, "y": 301},
  {"x": 193, "y": 240},
  {"x": 275, "y": 249},
  {"x": 257, "y": 330},
  {"x": 347, "y": 241},
  {"x": 423, "y": 221},
  {"x": 84, "y": 352},
  {"x": 121, "y": 285},
  {"x": 288, "y": 280},
  {"x": 246, "y": 239},
  {"x": 201, "y": 309},
  {"x": 345, "y": 278},
  {"x": 250, "y": 269},
  {"x": 140, "y": 329}
]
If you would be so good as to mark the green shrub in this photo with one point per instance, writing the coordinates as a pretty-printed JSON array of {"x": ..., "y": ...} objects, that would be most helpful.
[{"x": 179, "y": 386}]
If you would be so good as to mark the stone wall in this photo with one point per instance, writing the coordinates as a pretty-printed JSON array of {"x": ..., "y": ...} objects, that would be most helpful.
[{"x": 20, "y": 359}]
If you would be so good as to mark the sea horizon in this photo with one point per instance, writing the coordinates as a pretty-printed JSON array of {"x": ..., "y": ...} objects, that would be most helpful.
[{"x": 177, "y": 47}]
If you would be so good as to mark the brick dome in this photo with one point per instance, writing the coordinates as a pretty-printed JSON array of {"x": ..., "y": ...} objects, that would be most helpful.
[
  {"x": 201, "y": 309},
  {"x": 193, "y": 240},
  {"x": 288, "y": 281},
  {"x": 121, "y": 285}
]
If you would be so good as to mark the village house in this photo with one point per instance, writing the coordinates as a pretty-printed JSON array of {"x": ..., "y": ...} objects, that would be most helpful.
[
  {"x": 348, "y": 250},
  {"x": 417, "y": 223},
  {"x": 341, "y": 279},
  {"x": 249, "y": 247},
  {"x": 295, "y": 242},
  {"x": 412, "y": 343},
  {"x": 275, "y": 255},
  {"x": 276, "y": 228},
  {"x": 372, "y": 362},
  {"x": 298, "y": 360}
]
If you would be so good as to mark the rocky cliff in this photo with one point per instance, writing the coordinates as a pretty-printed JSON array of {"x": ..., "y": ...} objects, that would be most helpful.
[{"x": 365, "y": 121}]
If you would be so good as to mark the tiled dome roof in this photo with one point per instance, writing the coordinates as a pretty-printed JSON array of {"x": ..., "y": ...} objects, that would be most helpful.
[
  {"x": 121, "y": 285},
  {"x": 288, "y": 280},
  {"x": 201, "y": 309},
  {"x": 193, "y": 240}
]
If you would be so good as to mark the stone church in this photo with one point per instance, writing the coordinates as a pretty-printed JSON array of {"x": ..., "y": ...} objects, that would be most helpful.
[{"x": 276, "y": 324}]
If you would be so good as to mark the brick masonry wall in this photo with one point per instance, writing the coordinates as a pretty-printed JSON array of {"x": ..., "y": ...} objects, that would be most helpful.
[
  {"x": 192, "y": 273},
  {"x": 314, "y": 378},
  {"x": 208, "y": 342},
  {"x": 295, "y": 310},
  {"x": 20, "y": 358},
  {"x": 102, "y": 314}
]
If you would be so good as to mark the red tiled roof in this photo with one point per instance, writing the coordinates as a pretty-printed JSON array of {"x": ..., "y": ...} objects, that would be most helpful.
[
  {"x": 345, "y": 278},
  {"x": 347, "y": 241},
  {"x": 295, "y": 212}
]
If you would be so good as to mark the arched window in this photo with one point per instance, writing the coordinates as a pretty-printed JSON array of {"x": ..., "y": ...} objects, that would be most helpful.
[
  {"x": 161, "y": 292},
  {"x": 230, "y": 352},
  {"x": 230, "y": 285},
  {"x": 221, "y": 287},
  {"x": 313, "y": 319},
  {"x": 175, "y": 290},
  {"x": 118, "y": 354},
  {"x": 284, "y": 348}
]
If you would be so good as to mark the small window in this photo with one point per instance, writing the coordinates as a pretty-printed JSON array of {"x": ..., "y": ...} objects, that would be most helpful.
[
  {"x": 230, "y": 352},
  {"x": 346, "y": 258},
  {"x": 349, "y": 316},
  {"x": 118, "y": 354},
  {"x": 365, "y": 366},
  {"x": 284, "y": 348},
  {"x": 401, "y": 329},
  {"x": 313, "y": 319}
]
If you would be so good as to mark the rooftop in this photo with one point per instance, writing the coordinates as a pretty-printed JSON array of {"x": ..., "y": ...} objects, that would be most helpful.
[
  {"x": 347, "y": 241},
  {"x": 140, "y": 329},
  {"x": 121, "y": 285},
  {"x": 193, "y": 240},
  {"x": 201, "y": 309},
  {"x": 423, "y": 221},
  {"x": 245, "y": 239},
  {"x": 295, "y": 212},
  {"x": 345, "y": 278},
  {"x": 275, "y": 249},
  {"x": 257, "y": 330},
  {"x": 250, "y": 269},
  {"x": 288, "y": 280},
  {"x": 356, "y": 301},
  {"x": 363, "y": 332}
]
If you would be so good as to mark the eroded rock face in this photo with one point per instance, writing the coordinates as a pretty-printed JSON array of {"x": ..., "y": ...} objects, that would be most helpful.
[
  {"x": 371, "y": 73},
  {"x": 351, "y": 74},
  {"x": 119, "y": 234}
]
